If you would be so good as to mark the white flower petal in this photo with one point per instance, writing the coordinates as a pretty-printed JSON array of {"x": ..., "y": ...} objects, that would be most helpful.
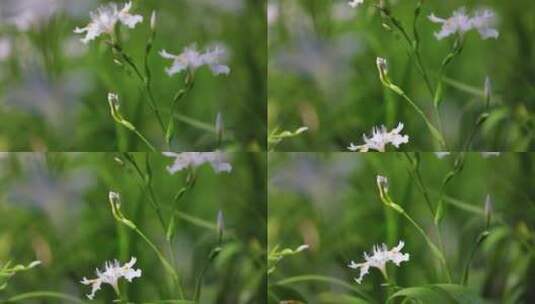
[
  {"x": 104, "y": 19},
  {"x": 380, "y": 138},
  {"x": 194, "y": 159},
  {"x": 111, "y": 275},
  {"x": 381, "y": 256}
]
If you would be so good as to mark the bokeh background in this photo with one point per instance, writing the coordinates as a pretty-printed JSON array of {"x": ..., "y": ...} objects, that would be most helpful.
[
  {"x": 322, "y": 75},
  {"x": 331, "y": 203},
  {"x": 54, "y": 208},
  {"x": 53, "y": 88}
]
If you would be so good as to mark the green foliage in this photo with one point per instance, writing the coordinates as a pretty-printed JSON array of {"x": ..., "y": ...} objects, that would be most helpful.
[
  {"x": 53, "y": 88},
  {"x": 322, "y": 75},
  {"x": 55, "y": 208},
  {"x": 475, "y": 253}
]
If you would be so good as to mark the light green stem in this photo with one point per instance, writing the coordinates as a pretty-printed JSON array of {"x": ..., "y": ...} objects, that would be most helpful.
[
  {"x": 434, "y": 249},
  {"x": 145, "y": 140},
  {"x": 434, "y": 132},
  {"x": 325, "y": 279},
  {"x": 167, "y": 266},
  {"x": 43, "y": 294}
]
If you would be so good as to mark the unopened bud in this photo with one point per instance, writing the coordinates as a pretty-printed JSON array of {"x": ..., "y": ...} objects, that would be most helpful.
[
  {"x": 488, "y": 91},
  {"x": 382, "y": 67},
  {"x": 220, "y": 225},
  {"x": 113, "y": 100},
  {"x": 488, "y": 211},
  {"x": 119, "y": 161},
  {"x": 153, "y": 21},
  {"x": 219, "y": 126},
  {"x": 115, "y": 199},
  {"x": 302, "y": 248},
  {"x": 382, "y": 183},
  {"x": 386, "y": 27},
  {"x": 220, "y": 221},
  {"x": 115, "y": 203}
]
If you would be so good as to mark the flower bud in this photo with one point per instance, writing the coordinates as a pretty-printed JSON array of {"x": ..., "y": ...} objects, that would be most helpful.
[
  {"x": 115, "y": 203},
  {"x": 488, "y": 91},
  {"x": 219, "y": 126},
  {"x": 382, "y": 183},
  {"x": 115, "y": 200},
  {"x": 488, "y": 211},
  {"x": 302, "y": 248},
  {"x": 382, "y": 67},
  {"x": 220, "y": 225},
  {"x": 119, "y": 161},
  {"x": 153, "y": 21},
  {"x": 113, "y": 100},
  {"x": 220, "y": 221}
]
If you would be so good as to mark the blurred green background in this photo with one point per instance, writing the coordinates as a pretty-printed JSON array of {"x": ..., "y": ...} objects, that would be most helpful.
[
  {"x": 322, "y": 74},
  {"x": 53, "y": 88},
  {"x": 54, "y": 208},
  {"x": 331, "y": 203}
]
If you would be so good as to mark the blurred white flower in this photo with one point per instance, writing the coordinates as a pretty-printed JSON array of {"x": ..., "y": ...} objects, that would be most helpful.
[
  {"x": 355, "y": 3},
  {"x": 111, "y": 275},
  {"x": 340, "y": 12},
  {"x": 441, "y": 155},
  {"x": 482, "y": 21},
  {"x": 58, "y": 194},
  {"x": 459, "y": 22},
  {"x": 301, "y": 248},
  {"x": 323, "y": 60},
  {"x": 312, "y": 177},
  {"x": 191, "y": 59},
  {"x": 381, "y": 255},
  {"x": 104, "y": 19},
  {"x": 380, "y": 138},
  {"x": 72, "y": 48},
  {"x": 5, "y": 48},
  {"x": 195, "y": 159},
  {"x": 490, "y": 154},
  {"x": 23, "y": 14},
  {"x": 273, "y": 13}
]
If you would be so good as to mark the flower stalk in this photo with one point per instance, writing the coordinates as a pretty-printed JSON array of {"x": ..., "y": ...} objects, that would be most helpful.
[
  {"x": 179, "y": 95},
  {"x": 115, "y": 202},
  {"x": 382, "y": 185},
  {"x": 382, "y": 67},
  {"x": 113, "y": 101}
]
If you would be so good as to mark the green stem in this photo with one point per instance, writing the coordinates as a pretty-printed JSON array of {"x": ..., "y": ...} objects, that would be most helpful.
[
  {"x": 188, "y": 85},
  {"x": 414, "y": 47},
  {"x": 148, "y": 187},
  {"x": 145, "y": 82},
  {"x": 43, "y": 294},
  {"x": 415, "y": 168},
  {"x": 167, "y": 266},
  {"x": 480, "y": 238},
  {"x": 324, "y": 279},
  {"x": 434, "y": 249},
  {"x": 434, "y": 132},
  {"x": 146, "y": 141},
  {"x": 146, "y": 183},
  {"x": 423, "y": 189}
]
